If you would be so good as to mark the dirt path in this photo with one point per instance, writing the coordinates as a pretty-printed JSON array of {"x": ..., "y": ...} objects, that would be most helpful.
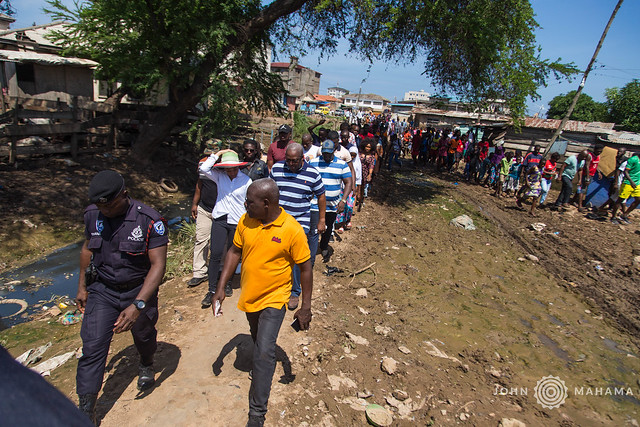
[
  {"x": 472, "y": 324},
  {"x": 471, "y": 328}
]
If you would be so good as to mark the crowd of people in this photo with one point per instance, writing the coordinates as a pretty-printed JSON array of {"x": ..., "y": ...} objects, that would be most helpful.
[{"x": 273, "y": 218}]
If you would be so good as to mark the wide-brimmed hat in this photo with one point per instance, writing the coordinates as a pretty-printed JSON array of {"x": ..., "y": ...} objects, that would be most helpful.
[{"x": 230, "y": 160}]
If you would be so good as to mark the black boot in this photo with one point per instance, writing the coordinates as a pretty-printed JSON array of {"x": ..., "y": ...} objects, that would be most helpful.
[
  {"x": 228, "y": 290},
  {"x": 87, "y": 405}
]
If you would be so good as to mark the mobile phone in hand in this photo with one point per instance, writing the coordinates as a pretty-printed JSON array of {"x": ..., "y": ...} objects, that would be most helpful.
[{"x": 296, "y": 325}]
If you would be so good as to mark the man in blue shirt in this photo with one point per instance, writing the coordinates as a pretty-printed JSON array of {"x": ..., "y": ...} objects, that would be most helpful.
[
  {"x": 335, "y": 173},
  {"x": 298, "y": 183}
]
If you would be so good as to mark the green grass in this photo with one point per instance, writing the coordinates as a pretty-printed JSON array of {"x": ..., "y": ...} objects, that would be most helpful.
[{"x": 180, "y": 256}]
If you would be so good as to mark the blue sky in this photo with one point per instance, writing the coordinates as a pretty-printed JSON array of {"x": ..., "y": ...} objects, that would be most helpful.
[{"x": 570, "y": 30}]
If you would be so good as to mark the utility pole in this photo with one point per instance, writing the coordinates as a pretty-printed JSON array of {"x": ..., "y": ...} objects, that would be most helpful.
[{"x": 584, "y": 79}]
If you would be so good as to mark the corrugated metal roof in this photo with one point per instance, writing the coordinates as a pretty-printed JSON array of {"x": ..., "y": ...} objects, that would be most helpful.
[
  {"x": 461, "y": 114},
  {"x": 571, "y": 125},
  {"x": 365, "y": 97},
  {"x": 44, "y": 58},
  {"x": 326, "y": 98},
  {"x": 35, "y": 34},
  {"x": 622, "y": 137}
]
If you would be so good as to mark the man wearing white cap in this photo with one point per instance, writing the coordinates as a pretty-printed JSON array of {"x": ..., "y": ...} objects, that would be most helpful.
[{"x": 223, "y": 168}]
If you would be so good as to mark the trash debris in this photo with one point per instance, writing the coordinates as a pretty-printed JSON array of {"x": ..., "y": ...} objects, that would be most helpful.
[
  {"x": 356, "y": 339},
  {"x": 404, "y": 349},
  {"x": 336, "y": 381},
  {"x": 436, "y": 352},
  {"x": 463, "y": 221},
  {"x": 362, "y": 292},
  {"x": 71, "y": 317},
  {"x": 332, "y": 270},
  {"x": 32, "y": 355},
  {"x": 378, "y": 416},
  {"x": 22, "y": 303},
  {"x": 537, "y": 226},
  {"x": 49, "y": 365}
]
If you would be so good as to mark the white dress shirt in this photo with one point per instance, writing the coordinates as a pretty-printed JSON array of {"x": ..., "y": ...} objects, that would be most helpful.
[{"x": 231, "y": 192}]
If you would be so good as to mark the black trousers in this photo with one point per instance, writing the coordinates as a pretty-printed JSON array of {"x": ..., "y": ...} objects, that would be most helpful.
[
  {"x": 565, "y": 191},
  {"x": 221, "y": 240},
  {"x": 104, "y": 305},
  {"x": 264, "y": 325},
  {"x": 330, "y": 219}
]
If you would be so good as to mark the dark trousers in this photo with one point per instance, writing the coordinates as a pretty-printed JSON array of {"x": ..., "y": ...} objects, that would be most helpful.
[
  {"x": 330, "y": 219},
  {"x": 265, "y": 325},
  {"x": 104, "y": 305},
  {"x": 565, "y": 191},
  {"x": 221, "y": 240},
  {"x": 312, "y": 241}
]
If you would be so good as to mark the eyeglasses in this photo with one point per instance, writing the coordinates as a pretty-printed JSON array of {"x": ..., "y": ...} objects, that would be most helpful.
[
  {"x": 297, "y": 160},
  {"x": 249, "y": 150}
]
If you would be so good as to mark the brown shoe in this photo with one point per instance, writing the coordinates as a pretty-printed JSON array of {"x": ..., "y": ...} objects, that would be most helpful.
[{"x": 293, "y": 302}]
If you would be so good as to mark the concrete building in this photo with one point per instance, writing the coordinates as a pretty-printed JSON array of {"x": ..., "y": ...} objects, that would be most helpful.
[
  {"x": 31, "y": 66},
  {"x": 337, "y": 92},
  {"x": 298, "y": 81},
  {"x": 365, "y": 101},
  {"x": 414, "y": 95}
]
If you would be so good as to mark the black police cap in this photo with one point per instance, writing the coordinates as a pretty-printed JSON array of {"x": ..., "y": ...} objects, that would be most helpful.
[{"x": 104, "y": 186}]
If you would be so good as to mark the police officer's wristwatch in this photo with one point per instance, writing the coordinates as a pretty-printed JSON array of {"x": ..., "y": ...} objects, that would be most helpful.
[{"x": 140, "y": 304}]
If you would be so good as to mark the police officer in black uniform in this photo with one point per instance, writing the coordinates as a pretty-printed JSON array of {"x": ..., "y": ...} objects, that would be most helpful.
[{"x": 128, "y": 243}]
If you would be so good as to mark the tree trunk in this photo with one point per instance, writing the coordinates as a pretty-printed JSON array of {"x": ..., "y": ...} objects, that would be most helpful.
[{"x": 159, "y": 126}]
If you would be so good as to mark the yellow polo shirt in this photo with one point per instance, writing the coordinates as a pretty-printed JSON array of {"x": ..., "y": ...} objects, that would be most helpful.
[{"x": 269, "y": 253}]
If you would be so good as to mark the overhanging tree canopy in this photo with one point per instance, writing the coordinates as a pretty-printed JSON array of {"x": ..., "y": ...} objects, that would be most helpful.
[{"x": 200, "y": 50}]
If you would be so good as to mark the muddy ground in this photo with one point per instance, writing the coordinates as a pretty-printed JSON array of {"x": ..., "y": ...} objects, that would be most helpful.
[{"x": 472, "y": 324}]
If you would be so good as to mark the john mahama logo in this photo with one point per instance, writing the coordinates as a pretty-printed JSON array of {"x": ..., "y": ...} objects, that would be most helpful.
[{"x": 136, "y": 234}]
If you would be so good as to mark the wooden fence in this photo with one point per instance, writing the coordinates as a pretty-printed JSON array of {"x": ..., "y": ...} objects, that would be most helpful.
[{"x": 61, "y": 125}]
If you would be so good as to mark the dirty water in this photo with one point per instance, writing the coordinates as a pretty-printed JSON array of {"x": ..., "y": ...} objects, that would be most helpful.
[{"x": 56, "y": 274}]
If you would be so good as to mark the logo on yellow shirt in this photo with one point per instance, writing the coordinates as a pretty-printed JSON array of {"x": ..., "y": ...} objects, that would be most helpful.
[{"x": 276, "y": 239}]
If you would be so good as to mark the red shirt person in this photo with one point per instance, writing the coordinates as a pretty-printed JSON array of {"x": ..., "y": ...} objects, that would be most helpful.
[{"x": 276, "y": 151}]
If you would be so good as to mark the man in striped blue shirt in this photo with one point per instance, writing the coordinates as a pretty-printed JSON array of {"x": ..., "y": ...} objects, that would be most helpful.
[
  {"x": 335, "y": 174},
  {"x": 298, "y": 183}
]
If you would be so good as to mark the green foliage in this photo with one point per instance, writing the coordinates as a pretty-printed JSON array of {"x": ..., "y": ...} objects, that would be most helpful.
[
  {"x": 212, "y": 53},
  {"x": 300, "y": 125},
  {"x": 165, "y": 44},
  {"x": 586, "y": 109},
  {"x": 624, "y": 106},
  {"x": 6, "y": 8},
  {"x": 477, "y": 49},
  {"x": 180, "y": 257}
]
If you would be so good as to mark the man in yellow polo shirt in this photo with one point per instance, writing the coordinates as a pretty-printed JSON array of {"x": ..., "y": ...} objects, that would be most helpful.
[{"x": 270, "y": 242}]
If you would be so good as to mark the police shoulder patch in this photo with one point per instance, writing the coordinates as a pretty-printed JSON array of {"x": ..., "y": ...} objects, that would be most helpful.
[{"x": 159, "y": 227}]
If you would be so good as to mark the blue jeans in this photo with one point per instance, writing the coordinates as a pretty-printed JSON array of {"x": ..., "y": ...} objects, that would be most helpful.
[
  {"x": 312, "y": 241},
  {"x": 394, "y": 157},
  {"x": 264, "y": 325},
  {"x": 545, "y": 184}
]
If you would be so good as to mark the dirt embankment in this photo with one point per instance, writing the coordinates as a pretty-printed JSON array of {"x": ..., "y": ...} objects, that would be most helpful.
[
  {"x": 468, "y": 327},
  {"x": 42, "y": 200}
]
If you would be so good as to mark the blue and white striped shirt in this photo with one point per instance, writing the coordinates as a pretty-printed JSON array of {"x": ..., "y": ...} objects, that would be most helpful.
[
  {"x": 297, "y": 189},
  {"x": 332, "y": 175}
]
